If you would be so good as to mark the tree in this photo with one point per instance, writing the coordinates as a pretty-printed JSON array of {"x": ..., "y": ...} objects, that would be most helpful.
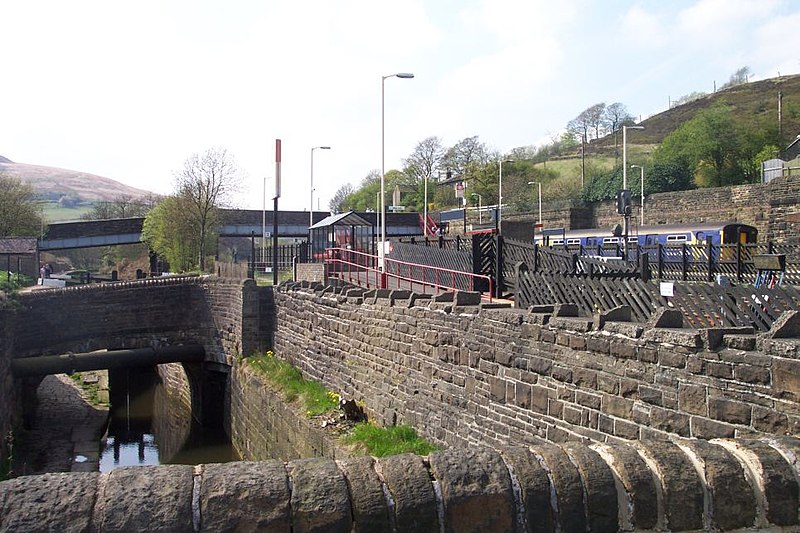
[
  {"x": 206, "y": 184},
  {"x": 424, "y": 160},
  {"x": 716, "y": 148},
  {"x": 365, "y": 197},
  {"x": 19, "y": 212},
  {"x": 464, "y": 153},
  {"x": 588, "y": 121},
  {"x": 120, "y": 207},
  {"x": 737, "y": 78},
  {"x": 686, "y": 98},
  {"x": 340, "y": 196},
  {"x": 615, "y": 115},
  {"x": 595, "y": 116},
  {"x": 171, "y": 234}
]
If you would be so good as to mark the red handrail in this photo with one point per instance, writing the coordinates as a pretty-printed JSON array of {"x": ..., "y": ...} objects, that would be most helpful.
[{"x": 361, "y": 267}]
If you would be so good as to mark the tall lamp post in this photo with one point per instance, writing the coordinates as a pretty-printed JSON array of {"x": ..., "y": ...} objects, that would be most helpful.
[
  {"x": 539, "y": 183},
  {"x": 626, "y": 217},
  {"x": 480, "y": 212},
  {"x": 403, "y": 75},
  {"x": 641, "y": 181},
  {"x": 500, "y": 196},
  {"x": 311, "y": 203}
]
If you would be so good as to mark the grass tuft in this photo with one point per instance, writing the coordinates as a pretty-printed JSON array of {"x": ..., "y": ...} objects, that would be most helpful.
[
  {"x": 313, "y": 397},
  {"x": 92, "y": 390},
  {"x": 382, "y": 442}
]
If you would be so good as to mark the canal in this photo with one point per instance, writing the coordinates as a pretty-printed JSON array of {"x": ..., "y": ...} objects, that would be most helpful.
[{"x": 148, "y": 426}]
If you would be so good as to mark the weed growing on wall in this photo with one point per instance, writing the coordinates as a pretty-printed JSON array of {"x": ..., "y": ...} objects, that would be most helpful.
[
  {"x": 91, "y": 388},
  {"x": 313, "y": 397},
  {"x": 381, "y": 442}
]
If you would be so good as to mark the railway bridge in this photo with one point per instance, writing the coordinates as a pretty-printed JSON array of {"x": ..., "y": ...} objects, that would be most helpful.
[{"x": 550, "y": 420}]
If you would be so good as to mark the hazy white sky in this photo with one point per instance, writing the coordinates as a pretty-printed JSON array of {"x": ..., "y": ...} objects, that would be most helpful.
[{"x": 129, "y": 90}]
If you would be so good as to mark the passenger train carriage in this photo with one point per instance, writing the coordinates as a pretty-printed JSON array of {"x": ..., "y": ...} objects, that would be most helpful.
[{"x": 648, "y": 236}]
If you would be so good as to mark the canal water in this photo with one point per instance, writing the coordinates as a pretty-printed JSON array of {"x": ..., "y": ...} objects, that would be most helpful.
[{"x": 147, "y": 426}]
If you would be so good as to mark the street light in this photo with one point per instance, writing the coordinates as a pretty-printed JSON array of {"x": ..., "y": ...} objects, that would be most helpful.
[
  {"x": 539, "y": 183},
  {"x": 480, "y": 213},
  {"x": 403, "y": 75},
  {"x": 500, "y": 196},
  {"x": 311, "y": 204},
  {"x": 641, "y": 181}
]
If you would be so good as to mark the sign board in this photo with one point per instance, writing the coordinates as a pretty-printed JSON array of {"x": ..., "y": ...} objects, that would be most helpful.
[
  {"x": 667, "y": 289},
  {"x": 268, "y": 270},
  {"x": 460, "y": 189}
]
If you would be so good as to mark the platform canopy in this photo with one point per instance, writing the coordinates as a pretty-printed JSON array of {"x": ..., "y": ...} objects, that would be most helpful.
[
  {"x": 344, "y": 230},
  {"x": 342, "y": 219}
]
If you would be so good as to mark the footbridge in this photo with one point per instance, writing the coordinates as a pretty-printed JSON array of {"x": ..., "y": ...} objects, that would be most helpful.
[{"x": 235, "y": 223}]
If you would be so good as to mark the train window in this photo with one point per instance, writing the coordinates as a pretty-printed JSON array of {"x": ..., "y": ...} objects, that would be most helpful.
[
  {"x": 610, "y": 240},
  {"x": 676, "y": 238},
  {"x": 556, "y": 242},
  {"x": 633, "y": 239},
  {"x": 573, "y": 241}
]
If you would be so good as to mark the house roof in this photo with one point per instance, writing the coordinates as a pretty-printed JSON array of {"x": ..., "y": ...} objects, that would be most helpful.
[{"x": 18, "y": 245}]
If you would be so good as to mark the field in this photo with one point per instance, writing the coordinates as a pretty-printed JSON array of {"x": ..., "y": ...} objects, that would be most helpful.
[{"x": 55, "y": 213}]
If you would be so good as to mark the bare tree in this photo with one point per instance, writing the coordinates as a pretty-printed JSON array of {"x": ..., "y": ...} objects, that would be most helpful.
[
  {"x": 424, "y": 160},
  {"x": 616, "y": 115},
  {"x": 340, "y": 196},
  {"x": 737, "y": 78},
  {"x": 595, "y": 116},
  {"x": 207, "y": 181}
]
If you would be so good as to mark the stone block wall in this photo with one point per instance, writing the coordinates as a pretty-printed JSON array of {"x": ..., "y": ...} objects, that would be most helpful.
[
  {"x": 773, "y": 208},
  {"x": 222, "y": 314},
  {"x": 263, "y": 426},
  {"x": 8, "y": 400},
  {"x": 466, "y": 375},
  {"x": 693, "y": 486}
]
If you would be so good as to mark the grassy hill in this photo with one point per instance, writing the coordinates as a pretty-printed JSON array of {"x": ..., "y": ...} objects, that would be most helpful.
[
  {"x": 757, "y": 99},
  {"x": 67, "y": 194}
]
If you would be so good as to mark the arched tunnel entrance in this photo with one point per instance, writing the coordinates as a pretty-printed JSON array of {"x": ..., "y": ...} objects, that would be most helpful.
[{"x": 159, "y": 413}]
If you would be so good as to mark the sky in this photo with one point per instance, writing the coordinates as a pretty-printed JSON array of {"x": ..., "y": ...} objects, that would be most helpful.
[{"x": 130, "y": 90}]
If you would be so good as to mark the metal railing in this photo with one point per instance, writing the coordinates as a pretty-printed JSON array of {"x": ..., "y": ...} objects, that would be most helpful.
[{"x": 362, "y": 269}]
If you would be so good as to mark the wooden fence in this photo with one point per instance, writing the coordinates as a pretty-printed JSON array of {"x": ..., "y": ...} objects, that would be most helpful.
[
  {"x": 702, "y": 304},
  {"x": 447, "y": 258}
]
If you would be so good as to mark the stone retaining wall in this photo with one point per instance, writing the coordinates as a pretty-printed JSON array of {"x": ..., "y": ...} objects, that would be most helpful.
[
  {"x": 688, "y": 486},
  {"x": 774, "y": 208},
  {"x": 263, "y": 426},
  {"x": 461, "y": 374},
  {"x": 8, "y": 400}
]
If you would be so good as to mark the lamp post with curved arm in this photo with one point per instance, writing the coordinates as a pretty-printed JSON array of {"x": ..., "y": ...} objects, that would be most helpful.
[{"x": 402, "y": 75}]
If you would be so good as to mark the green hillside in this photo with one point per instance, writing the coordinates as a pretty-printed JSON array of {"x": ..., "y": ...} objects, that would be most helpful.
[{"x": 755, "y": 100}]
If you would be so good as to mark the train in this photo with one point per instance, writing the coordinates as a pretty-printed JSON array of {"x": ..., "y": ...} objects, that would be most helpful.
[{"x": 719, "y": 233}]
